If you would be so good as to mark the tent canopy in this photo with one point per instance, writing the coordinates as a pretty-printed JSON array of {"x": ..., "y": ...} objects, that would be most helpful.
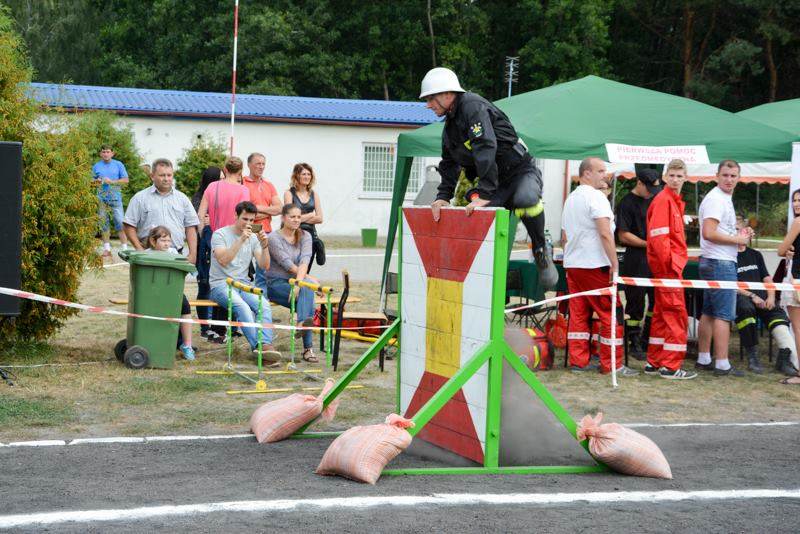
[
  {"x": 574, "y": 120},
  {"x": 784, "y": 115}
]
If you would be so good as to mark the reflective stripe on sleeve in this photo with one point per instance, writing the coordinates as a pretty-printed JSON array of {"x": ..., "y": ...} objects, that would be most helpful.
[{"x": 663, "y": 230}]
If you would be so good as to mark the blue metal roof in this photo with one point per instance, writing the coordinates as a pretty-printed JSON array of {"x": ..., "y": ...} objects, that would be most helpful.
[{"x": 217, "y": 105}]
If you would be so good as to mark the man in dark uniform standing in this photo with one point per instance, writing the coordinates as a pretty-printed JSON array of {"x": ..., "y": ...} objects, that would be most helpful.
[
  {"x": 480, "y": 139},
  {"x": 632, "y": 234}
]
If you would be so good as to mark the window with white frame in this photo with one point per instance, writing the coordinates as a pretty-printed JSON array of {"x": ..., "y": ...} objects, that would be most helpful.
[{"x": 379, "y": 165}]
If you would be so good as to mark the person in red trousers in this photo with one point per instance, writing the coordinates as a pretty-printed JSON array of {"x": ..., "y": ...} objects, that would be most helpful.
[
  {"x": 666, "y": 257},
  {"x": 590, "y": 259}
]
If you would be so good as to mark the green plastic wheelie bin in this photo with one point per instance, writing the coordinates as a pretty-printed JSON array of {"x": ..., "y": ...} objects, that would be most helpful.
[{"x": 156, "y": 288}]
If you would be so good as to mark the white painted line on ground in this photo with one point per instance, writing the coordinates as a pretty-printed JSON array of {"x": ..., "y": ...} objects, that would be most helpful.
[
  {"x": 441, "y": 499},
  {"x": 119, "y": 439},
  {"x": 115, "y": 264},
  {"x": 680, "y": 425},
  {"x": 148, "y": 439},
  {"x": 191, "y": 438},
  {"x": 40, "y": 443}
]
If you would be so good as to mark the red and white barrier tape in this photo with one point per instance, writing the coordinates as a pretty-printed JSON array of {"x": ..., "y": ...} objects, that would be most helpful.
[
  {"x": 667, "y": 283},
  {"x": 705, "y": 284},
  {"x": 589, "y": 293},
  {"x": 99, "y": 309}
]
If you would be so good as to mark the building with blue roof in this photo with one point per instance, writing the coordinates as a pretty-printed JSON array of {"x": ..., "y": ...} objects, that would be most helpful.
[
  {"x": 159, "y": 102},
  {"x": 350, "y": 143}
]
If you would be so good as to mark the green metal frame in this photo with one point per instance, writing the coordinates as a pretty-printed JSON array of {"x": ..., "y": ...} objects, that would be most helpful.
[{"x": 495, "y": 352}]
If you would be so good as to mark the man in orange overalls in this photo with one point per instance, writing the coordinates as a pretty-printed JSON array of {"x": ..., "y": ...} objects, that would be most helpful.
[{"x": 667, "y": 256}]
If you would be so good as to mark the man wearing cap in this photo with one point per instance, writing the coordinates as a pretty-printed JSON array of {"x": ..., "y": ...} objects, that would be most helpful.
[
  {"x": 667, "y": 256},
  {"x": 632, "y": 233},
  {"x": 480, "y": 139}
]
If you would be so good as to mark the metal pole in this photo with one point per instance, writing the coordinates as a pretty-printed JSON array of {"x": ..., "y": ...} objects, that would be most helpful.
[
  {"x": 258, "y": 334},
  {"x": 510, "y": 74},
  {"x": 233, "y": 77},
  {"x": 614, "y": 331},
  {"x": 758, "y": 222}
]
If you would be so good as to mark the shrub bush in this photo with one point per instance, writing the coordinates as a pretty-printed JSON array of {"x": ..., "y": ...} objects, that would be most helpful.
[
  {"x": 59, "y": 205},
  {"x": 203, "y": 153}
]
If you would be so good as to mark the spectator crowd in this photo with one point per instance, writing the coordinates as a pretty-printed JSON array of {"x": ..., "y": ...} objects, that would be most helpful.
[
  {"x": 649, "y": 223},
  {"x": 227, "y": 230}
]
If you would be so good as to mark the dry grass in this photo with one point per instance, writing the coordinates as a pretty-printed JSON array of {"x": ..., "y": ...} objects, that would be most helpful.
[{"x": 103, "y": 398}]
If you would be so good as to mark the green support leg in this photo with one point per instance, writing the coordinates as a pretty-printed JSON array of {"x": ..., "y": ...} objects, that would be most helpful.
[
  {"x": 228, "y": 328},
  {"x": 291, "y": 322},
  {"x": 446, "y": 392},
  {"x": 357, "y": 367}
]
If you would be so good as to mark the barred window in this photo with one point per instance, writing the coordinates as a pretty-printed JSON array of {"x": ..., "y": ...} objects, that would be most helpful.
[{"x": 379, "y": 164}]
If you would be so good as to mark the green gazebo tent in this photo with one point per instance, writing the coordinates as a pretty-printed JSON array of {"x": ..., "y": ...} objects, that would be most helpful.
[
  {"x": 576, "y": 119},
  {"x": 784, "y": 115}
]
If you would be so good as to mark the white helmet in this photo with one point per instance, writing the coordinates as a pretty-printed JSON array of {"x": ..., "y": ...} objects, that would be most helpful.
[{"x": 439, "y": 80}]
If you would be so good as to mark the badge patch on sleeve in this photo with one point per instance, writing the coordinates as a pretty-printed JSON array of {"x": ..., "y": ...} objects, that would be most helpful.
[{"x": 477, "y": 129}]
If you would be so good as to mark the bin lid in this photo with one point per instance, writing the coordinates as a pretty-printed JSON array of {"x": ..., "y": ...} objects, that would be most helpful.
[{"x": 157, "y": 259}]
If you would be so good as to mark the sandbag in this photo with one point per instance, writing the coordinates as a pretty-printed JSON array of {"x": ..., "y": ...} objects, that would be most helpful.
[
  {"x": 277, "y": 420},
  {"x": 362, "y": 452},
  {"x": 622, "y": 449}
]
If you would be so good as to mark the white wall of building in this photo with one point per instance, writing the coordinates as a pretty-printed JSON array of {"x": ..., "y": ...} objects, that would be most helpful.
[{"x": 335, "y": 152}]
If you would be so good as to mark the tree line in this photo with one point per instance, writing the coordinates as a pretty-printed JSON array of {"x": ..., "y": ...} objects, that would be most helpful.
[{"x": 732, "y": 54}]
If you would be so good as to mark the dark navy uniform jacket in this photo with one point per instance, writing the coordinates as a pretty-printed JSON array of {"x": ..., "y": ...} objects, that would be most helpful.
[{"x": 479, "y": 138}]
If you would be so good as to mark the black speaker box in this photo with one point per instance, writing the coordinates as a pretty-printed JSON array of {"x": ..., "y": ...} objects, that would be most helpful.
[{"x": 10, "y": 223}]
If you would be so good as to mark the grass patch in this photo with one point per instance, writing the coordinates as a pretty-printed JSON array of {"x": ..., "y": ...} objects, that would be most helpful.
[
  {"x": 141, "y": 391},
  {"x": 34, "y": 412}
]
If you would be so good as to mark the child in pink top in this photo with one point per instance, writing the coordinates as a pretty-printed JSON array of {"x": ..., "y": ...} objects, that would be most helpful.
[{"x": 221, "y": 197}]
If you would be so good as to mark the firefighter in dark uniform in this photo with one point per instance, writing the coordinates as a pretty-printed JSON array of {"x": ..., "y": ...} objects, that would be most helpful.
[
  {"x": 632, "y": 234},
  {"x": 479, "y": 139}
]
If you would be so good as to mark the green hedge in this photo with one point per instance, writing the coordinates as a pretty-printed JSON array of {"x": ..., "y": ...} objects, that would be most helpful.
[
  {"x": 203, "y": 153},
  {"x": 59, "y": 204}
]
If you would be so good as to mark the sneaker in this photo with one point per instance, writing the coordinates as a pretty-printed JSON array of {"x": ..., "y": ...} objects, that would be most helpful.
[
  {"x": 704, "y": 366},
  {"x": 678, "y": 374},
  {"x": 626, "y": 371},
  {"x": 729, "y": 372},
  {"x": 754, "y": 366},
  {"x": 579, "y": 369},
  {"x": 652, "y": 369},
  {"x": 106, "y": 254},
  {"x": 548, "y": 275},
  {"x": 188, "y": 352},
  {"x": 306, "y": 324}
]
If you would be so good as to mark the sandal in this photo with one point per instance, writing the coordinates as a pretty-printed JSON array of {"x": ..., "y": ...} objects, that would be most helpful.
[
  {"x": 309, "y": 356},
  {"x": 792, "y": 380}
]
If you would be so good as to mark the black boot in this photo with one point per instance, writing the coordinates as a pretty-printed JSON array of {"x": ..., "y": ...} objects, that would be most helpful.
[
  {"x": 752, "y": 356},
  {"x": 783, "y": 363},
  {"x": 635, "y": 345}
]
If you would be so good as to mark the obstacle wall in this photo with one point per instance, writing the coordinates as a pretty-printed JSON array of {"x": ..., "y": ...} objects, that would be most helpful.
[{"x": 446, "y": 276}]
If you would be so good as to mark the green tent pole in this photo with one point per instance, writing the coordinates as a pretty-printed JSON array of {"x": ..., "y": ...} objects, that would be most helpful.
[{"x": 401, "y": 175}]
